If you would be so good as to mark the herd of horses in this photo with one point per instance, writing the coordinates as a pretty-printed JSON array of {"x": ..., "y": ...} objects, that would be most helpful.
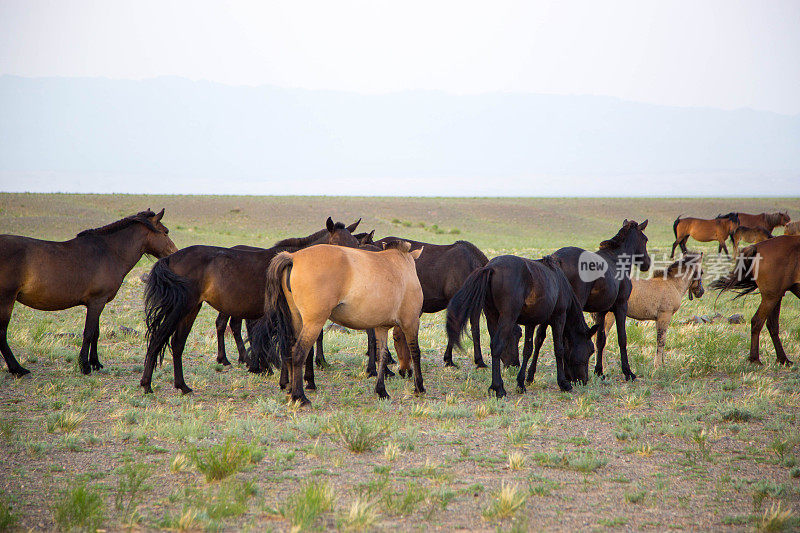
[{"x": 285, "y": 294}]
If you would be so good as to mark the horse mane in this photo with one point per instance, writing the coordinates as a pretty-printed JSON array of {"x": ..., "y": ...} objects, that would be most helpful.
[
  {"x": 302, "y": 242},
  {"x": 674, "y": 268},
  {"x": 773, "y": 218},
  {"x": 618, "y": 240},
  {"x": 732, "y": 216},
  {"x": 403, "y": 246},
  {"x": 139, "y": 218}
]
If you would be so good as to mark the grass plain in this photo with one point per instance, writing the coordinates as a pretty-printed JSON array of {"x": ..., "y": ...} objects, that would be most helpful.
[{"x": 707, "y": 442}]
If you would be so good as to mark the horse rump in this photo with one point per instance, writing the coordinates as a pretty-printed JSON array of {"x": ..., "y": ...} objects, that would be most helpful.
[
  {"x": 273, "y": 333},
  {"x": 742, "y": 278},
  {"x": 166, "y": 303},
  {"x": 467, "y": 302}
]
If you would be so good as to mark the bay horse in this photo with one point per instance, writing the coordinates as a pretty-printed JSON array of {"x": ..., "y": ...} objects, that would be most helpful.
[
  {"x": 513, "y": 290},
  {"x": 87, "y": 270},
  {"x": 703, "y": 230},
  {"x": 748, "y": 234},
  {"x": 229, "y": 280},
  {"x": 772, "y": 267},
  {"x": 768, "y": 221},
  {"x": 660, "y": 297},
  {"x": 442, "y": 270},
  {"x": 357, "y": 289},
  {"x": 293, "y": 244},
  {"x": 601, "y": 281}
]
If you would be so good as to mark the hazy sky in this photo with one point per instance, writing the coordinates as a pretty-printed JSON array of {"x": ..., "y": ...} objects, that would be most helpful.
[{"x": 724, "y": 54}]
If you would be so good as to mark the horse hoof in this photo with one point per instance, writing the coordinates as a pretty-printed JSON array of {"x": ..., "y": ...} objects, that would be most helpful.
[
  {"x": 630, "y": 376},
  {"x": 480, "y": 364},
  {"x": 19, "y": 372},
  {"x": 785, "y": 362},
  {"x": 97, "y": 366},
  {"x": 389, "y": 373},
  {"x": 521, "y": 388},
  {"x": 310, "y": 385},
  {"x": 302, "y": 399},
  {"x": 419, "y": 391},
  {"x": 86, "y": 370},
  {"x": 372, "y": 373},
  {"x": 450, "y": 363},
  {"x": 565, "y": 386},
  {"x": 755, "y": 361},
  {"x": 147, "y": 389},
  {"x": 500, "y": 392},
  {"x": 185, "y": 390},
  {"x": 382, "y": 395}
]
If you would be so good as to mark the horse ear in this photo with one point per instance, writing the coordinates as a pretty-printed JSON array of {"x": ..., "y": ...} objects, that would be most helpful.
[
  {"x": 416, "y": 253},
  {"x": 329, "y": 225},
  {"x": 368, "y": 239},
  {"x": 160, "y": 215},
  {"x": 625, "y": 222},
  {"x": 643, "y": 225},
  {"x": 352, "y": 227}
]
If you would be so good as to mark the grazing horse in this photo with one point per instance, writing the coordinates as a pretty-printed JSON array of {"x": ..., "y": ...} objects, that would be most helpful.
[
  {"x": 87, "y": 270},
  {"x": 354, "y": 288},
  {"x": 748, "y": 234},
  {"x": 703, "y": 230},
  {"x": 513, "y": 290},
  {"x": 660, "y": 297},
  {"x": 768, "y": 221},
  {"x": 601, "y": 281},
  {"x": 442, "y": 270},
  {"x": 772, "y": 267},
  {"x": 792, "y": 228},
  {"x": 231, "y": 281},
  {"x": 287, "y": 245}
]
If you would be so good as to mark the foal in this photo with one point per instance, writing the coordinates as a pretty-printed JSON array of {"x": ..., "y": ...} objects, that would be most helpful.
[
  {"x": 87, "y": 270},
  {"x": 747, "y": 234},
  {"x": 659, "y": 297}
]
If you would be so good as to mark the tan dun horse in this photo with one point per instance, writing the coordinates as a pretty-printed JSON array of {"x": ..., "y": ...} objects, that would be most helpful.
[
  {"x": 748, "y": 234},
  {"x": 772, "y": 267},
  {"x": 768, "y": 221},
  {"x": 792, "y": 228},
  {"x": 87, "y": 270},
  {"x": 703, "y": 230},
  {"x": 357, "y": 289},
  {"x": 660, "y": 297}
]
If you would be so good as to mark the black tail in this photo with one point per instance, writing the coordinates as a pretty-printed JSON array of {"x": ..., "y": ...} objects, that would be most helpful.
[
  {"x": 166, "y": 302},
  {"x": 675, "y": 227},
  {"x": 467, "y": 302},
  {"x": 742, "y": 278},
  {"x": 273, "y": 333}
]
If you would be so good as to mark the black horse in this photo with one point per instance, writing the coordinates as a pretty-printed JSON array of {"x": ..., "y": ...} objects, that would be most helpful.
[
  {"x": 442, "y": 270},
  {"x": 513, "y": 290},
  {"x": 601, "y": 281},
  {"x": 231, "y": 281}
]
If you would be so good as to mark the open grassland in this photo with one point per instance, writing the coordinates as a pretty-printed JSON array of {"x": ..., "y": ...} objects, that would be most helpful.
[{"x": 706, "y": 442}]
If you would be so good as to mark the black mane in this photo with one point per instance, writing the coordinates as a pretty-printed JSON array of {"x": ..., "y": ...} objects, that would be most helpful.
[{"x": 138, "y": 218}]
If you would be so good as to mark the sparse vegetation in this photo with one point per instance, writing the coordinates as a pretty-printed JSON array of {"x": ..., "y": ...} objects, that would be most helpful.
[{"x": 79, "y": 509}]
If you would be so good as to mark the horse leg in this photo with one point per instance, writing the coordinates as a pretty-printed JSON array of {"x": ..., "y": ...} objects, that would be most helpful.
[
  {"x": 221, "y": 323},
  {"x": 178, "y": 344},
  {"x": 372, "y": 355},
  {"x": 411, "y": 332},
  {"x": 772, "y": 327},
  {"x": 756, "y": 325},
  {"x": 475, "y": 325},
  {"x": 499, "y": 331},
  {"x": 90, "y": 331},
  {"x": 305, "y": 341},
  {"x": 309, "y": 376},
  {"x": 527, "y": 349},
  {"x": 541, "y": 334},
  {"x": 683, "y": 244},
  {"x": 448, "y": 355},
  {"x": 620, "y": 314},
  {"x": 403, "y": 353},
  {"x": 724, "y": 247},
  {"x": 320, "y": 355},
  {"x": 558, "y": 349},
  {"x": 236, "y": 329},
  {"x": 601, "y": 343},
  {"x": 381, "y": 339},
  {"x": 6, "y": 306},
  {"x": 662, "y": 323}
]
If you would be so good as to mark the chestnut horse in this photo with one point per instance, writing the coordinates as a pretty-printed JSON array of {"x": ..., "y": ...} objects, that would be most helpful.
[
  {"x": 748, "y": 234},
  {"x": 513, "y": 290},
  {"x": 231, "y": 281},
  {"x": 703, "y": 230},
  {"x": 772, "y": 267},
  {"x": 601, "y": 281},
  {"x": 87, "y": 270},
  {"x": 768, "y": 221},
  {"x": 354, "y": 288}
]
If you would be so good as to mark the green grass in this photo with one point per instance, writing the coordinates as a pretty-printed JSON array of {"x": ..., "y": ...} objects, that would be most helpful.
[
  {"x": 79, "y": 509},
  {"x": 222, "y": 460},
  {"x": 305, "y": 506}
]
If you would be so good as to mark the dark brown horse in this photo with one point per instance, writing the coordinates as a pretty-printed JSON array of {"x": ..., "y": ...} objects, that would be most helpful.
[
  {"x": 601, "y": 281},
  {"x": 772, "y": 267},
  {"x": 703, "y": 230},
  {"x": 512, "y": 290},
  {"x": 442, "y": 270},
  {"x": 231, "y": 281},
  {"x": 87, "y": 270},
  {"x": 748, "y": 234},
  {"x": 768, "y": 221},
  {"x": 287, "y": 245}
]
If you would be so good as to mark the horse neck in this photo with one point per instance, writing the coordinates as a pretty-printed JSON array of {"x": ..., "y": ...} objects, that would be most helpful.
[
  {"x": 126, "y": 246},
  {"x": 613, "y": 255},
  {"x": 682, "y": 283}
]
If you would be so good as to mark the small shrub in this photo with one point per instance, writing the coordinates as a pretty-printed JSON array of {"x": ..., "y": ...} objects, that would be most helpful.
[
  {"x": 506, "y": 503},
  {"x": 66, "y": 422},
  {"x": 775, "y": 518},
  {"x": 359, "y": 434},
  {"x": 222, "y": 460},
  {"x": 362, "y": 515},
  {"x": 132, "y": 477},
  {"x": 516, "y": 461},
  {"x": 80, "y": 509},
  {"x": 8, "y": 519},
  {"x": 306, "y": 505}
]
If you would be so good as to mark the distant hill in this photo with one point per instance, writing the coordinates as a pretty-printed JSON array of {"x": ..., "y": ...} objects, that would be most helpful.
[{"x": 266, "y": 138}]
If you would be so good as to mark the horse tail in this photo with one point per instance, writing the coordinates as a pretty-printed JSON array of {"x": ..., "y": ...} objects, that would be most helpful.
[
  {"x": 675, "y": 226},
  {"x": 273, "y": 333},
  {"x": 742, "y": 278},
  {"x": 467, "y": 302},
  {"x": 166, "y": 303}
]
